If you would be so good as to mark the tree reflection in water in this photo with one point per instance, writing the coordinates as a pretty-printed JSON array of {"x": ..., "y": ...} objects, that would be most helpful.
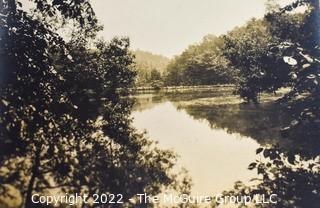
[{"x": 288, "y": 164}]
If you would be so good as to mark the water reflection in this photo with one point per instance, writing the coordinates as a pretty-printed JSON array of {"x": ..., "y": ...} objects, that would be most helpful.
[
  {"x": 214, "y": 158},
  {"x": 217, "y": 137},
  {"x": 222, "y": 110}
]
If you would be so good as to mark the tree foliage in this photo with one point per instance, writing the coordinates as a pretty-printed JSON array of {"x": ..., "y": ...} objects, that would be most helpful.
[
  {"x": 201, "y": 64},
  {"x": 294, "y": 174},
  {"x": 64, "y": 124},
  {"x": 247, "y": 48},
  {"x": 293, "y": 180},
  {"x": 150, "y": 68}
]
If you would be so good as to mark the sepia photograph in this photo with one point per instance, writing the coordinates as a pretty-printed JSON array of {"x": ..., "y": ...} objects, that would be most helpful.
[{"x": 159, "y": 104}]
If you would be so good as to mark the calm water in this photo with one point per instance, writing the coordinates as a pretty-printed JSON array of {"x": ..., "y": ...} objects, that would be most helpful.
[{"x": 214, "y": 135}]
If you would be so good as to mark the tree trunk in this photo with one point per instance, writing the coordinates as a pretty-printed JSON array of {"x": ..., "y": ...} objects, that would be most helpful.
[{"x": 34, "y": 174}]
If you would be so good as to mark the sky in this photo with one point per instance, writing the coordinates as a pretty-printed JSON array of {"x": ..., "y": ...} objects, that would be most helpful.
[{"x": 167, "y": 27}]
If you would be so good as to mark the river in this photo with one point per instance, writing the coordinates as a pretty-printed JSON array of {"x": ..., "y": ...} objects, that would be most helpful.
[{"x": 214, "y": 134}]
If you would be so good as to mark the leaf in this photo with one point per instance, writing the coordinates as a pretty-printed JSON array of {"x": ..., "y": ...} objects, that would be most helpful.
[
  {"x": 291, "y": 159},
  {"x": 259, "y": 150},
  {"x": 306, "y": 66},
  {"x": 267, "y": 153},
  {"x": 260, "y": 170},
  {"x": 294, "y": 122},
  {"x": 289, "y": 60},
  {"x": 6, "y": 103},
  {"x": 56, "y": 2},
  {"x": 311, "y": 166},
  {"x": 252, "y": 166},
  {"x": 294, "y": 76},
  {"x": 311, "y": 76},
  {"x": 307, "y": 57}
]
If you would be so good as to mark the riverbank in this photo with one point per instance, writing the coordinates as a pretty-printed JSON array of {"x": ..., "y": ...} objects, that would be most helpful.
[
  {"x": 148, "y": 89},
  {"x": 206, "y": 94}
]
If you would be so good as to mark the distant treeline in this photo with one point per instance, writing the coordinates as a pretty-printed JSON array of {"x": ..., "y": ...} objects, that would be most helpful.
[
  {"x": 201, "y": 64},
  {"x": 242, "y": 57},
  {"x": 150, "y": 68}
]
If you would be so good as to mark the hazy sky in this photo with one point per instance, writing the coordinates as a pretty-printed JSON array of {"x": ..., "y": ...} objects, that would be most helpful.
[{"x": 168, "y": 26}]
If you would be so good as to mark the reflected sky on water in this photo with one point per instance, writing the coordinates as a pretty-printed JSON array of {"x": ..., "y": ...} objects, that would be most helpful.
[{"x": 214, "y": 157}]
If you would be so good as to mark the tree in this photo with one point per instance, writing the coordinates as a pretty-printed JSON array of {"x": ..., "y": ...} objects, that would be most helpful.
[
  {"x": 64, "y": 125},
  {"x": 294, "y": 181},
  {"x": 201, "y": 64},
  {"x": 294, "y": 174},
  {"x": 247, "y": 49},
  {"x": 150, "y": 67},
  {"x": 302, "y": 55}
]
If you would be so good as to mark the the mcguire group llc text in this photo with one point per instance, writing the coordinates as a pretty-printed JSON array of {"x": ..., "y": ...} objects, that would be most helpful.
[{"x": 144, "y": 198}]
